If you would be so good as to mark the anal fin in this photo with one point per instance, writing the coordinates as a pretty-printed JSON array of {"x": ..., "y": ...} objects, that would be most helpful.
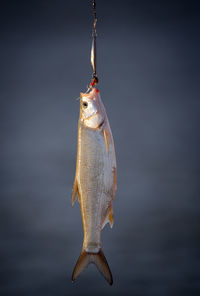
[{"x": 109, "y": 218}]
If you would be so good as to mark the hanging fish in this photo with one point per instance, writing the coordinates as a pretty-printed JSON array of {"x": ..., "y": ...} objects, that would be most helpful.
[{"x": 95, "y": 180}]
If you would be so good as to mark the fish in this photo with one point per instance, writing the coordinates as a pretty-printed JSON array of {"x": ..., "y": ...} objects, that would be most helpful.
[{"x": 95, "y": 181}]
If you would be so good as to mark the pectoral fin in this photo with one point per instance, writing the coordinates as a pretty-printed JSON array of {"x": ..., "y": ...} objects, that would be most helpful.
[
  {"x": 109, "y": 218},
  {"x": 74, "y": 192}
]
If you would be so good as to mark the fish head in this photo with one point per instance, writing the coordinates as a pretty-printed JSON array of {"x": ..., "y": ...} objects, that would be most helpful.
[{"x": 92, "y": 112}]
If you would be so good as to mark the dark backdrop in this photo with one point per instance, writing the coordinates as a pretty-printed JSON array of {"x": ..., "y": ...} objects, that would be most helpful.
[{"x": 148, "y": 67}]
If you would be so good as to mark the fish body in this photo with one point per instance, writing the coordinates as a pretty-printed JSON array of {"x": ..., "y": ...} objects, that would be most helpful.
[{"x": 95, "y": 180}]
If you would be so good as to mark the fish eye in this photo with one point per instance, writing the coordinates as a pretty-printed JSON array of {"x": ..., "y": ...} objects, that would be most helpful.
[{"x": 85, "y": 104}]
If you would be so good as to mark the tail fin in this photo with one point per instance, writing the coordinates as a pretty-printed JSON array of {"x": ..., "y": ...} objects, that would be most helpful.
[{"x": 98, "y": 259}]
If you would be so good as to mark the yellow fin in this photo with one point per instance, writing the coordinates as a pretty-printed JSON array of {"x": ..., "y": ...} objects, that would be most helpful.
[
  {"x": 109, "y": 218},
  {"x": 98, "y": 259},
  {"x": 106, "y": 139},
  {"x": 74, "y": 192}
]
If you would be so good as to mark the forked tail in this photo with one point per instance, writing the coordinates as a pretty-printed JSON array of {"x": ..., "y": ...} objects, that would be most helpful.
[{"x": 98, "y": 259}]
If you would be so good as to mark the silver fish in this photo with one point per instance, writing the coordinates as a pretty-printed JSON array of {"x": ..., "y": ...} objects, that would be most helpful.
[{"x": 95, "y": 180}]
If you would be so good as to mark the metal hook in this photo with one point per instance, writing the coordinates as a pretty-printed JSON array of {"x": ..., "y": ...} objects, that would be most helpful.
[{"x": 93, "y": 50}]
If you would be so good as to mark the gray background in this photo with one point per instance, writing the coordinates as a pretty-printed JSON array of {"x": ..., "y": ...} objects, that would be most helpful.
[{"x": 148, "y": 66}]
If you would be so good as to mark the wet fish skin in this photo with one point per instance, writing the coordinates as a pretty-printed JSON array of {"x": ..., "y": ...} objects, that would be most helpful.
[{"x": 95, "y": 180}]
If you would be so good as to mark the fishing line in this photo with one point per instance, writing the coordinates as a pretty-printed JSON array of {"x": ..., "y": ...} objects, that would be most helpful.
[{"x": 94, "y": 48}]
